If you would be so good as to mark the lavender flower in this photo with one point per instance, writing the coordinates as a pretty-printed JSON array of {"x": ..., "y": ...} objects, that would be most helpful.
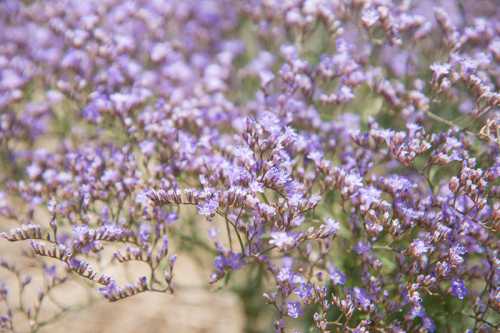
[
  {"x": 282, "y": 240},
  {"x": 294, "y": 309},
  {"x": 297, "y": 133},
  {"x": 458, "y": 289}
]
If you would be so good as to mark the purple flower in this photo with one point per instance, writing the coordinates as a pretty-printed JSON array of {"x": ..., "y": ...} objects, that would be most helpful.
[
  {"x": 109, "y": 290},
  {"x": 144, "y": 232},
  {"x": 282, "y": 240},
  {"x": 229, "y": 260},
  {"x": 428, "y": 324},
  {"x": 440, "y": 70},
  {"x": 362, "y": 299},
  {"x": 419, "y": 247},
  {"x": 458, "y": 289},
  {"x": 332, "y": 226},
  {"x": 294, "y": 309},
  {"x": 304, "y": 290},
  {"x": 336, "y": 276},
  {"x": 208, "y": 207},
  {"x": 279, "y": 122}
]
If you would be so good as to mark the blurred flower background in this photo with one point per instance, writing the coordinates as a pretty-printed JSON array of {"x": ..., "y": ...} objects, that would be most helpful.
[{"x": 249, "y": 166}]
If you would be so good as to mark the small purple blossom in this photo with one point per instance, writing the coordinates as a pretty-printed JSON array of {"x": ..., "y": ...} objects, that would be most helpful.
[
  {"x": 208, "y": 207},
  {"x": 282, "y": 240},
  {"x": 458, "y": 289},
  {"x": 294, "y": 309},
  {"x": 336, "y": 276},
  {"x": 332, "y": 226}
]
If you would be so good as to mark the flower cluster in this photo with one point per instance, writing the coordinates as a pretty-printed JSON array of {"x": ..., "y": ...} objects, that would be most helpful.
[{"x": 344, "y": 156}]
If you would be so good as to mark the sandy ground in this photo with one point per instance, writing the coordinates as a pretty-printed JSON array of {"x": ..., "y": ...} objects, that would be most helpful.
[
  {"x": 186, "y": 312},
  {"x": 192, "y": 308}
]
